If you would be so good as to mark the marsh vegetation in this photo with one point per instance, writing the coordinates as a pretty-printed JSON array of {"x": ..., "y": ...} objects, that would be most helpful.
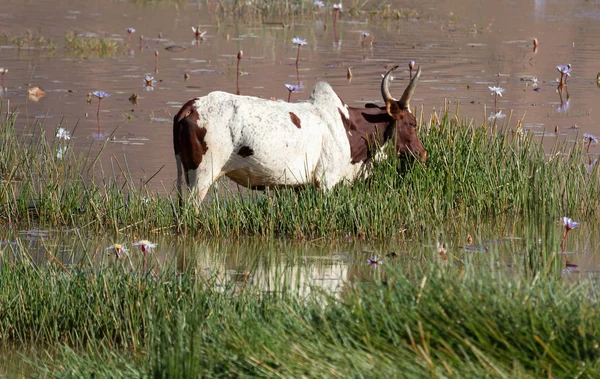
[{"x": 481, "y": 262}]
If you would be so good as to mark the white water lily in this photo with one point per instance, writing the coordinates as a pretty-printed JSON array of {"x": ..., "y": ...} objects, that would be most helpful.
[
  {"x": 374, "y": 261},
  {"x": 569, "y": 224},
  {"x": 145, "y": 245},
  {"x": 62, "y": 133},
  {"x": 496, "y": 90}
]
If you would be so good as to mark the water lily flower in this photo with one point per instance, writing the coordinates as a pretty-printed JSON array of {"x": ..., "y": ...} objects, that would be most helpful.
[
  {"x": 411, "y": 65},
  {"x": 299, "y": 41},
  {"x": 590, "y": 138},
  {"x": 145, "y": 246},
  {"x": 62, "y": 133},
  {"x": 293, "y": 88},
  {"x": 374, "y": 261},
  {"x": 496, "y": 91},
  {"x": 569, "y": 224},
  {"x": 149, "y": 83},
  {"x": 565, "y": 71},
  {"x": 197, "y": 33},
  {"x": 100, "y": 95},
  {"x": 2, "y": 72},
  {"x": 117, "y": 249}
]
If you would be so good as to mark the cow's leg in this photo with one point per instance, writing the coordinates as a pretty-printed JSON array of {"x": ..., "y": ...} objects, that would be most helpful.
[
  {"x": 179, "y": 179},
  {"x": 201, "y": 178}
]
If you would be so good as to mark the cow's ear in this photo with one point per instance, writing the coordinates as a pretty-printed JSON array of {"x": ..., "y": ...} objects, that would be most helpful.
[{"x": 392, "y": 108}]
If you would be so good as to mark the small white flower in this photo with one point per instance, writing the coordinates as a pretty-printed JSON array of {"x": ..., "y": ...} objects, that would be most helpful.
[
  {"x": 365, "y": 34},
  {"x": 130, "y": 30},
  {"x": 569, "y": 224},
  {"x": 564, "y": 70},
  {"x": 374, "y": 261},
  {"x": 145, "y": 245},
  {"x": 496, "y": 90},
  {"x": 319, "y": 4},
  {"x": 299, "y": 41},
  {"x": 117, "y": 249},
  {"x": 590, "y": 138},
  {"x": 63, "y": 134},
  {"x": 3, "y": 70},
  {"x": 337, "y": 6},
  {"x": 293, "y": 88}
]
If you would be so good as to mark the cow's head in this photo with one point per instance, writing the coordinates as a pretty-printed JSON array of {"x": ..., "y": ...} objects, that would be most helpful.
[{"x": 407, "y": 139}]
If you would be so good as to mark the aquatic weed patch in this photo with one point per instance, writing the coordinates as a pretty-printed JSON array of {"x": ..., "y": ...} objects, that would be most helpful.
[{"x": 85, "y": 44}]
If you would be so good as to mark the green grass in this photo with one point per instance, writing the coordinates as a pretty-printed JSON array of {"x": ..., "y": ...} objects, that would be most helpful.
[
  {"x": 28, "y": 40},
  {"x": 473, "y": 175},
  {"x": 407, "y": 318},
  {"x": 96, "y": 45}
]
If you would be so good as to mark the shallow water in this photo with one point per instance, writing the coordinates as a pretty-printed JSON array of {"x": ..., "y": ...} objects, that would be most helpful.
[{"x": 461, "y": 47}]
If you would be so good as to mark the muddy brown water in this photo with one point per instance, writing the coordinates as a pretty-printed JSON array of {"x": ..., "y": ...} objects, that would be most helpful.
[{"x": 461, "y": 46}]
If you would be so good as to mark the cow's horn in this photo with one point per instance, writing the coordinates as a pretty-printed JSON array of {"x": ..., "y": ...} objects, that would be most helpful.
[
  {"x": 405, "y": 100},
  {"x": 385, "y": 85}
]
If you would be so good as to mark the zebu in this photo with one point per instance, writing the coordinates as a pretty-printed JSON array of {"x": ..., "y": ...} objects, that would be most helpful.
[{"x": 260, "y": 143}]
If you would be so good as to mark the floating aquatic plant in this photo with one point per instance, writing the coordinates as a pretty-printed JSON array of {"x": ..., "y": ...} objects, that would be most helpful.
[
  {"x": 590, "y": 138},
  {"x": 129, "y": 32},
  {"x": 299, "y": 42},
  {"x": 100, "y": 95},
  {"x": 292, "y": 88},
  {"x": 3, "y": 71},
  {"x": 565, "y": 71},
  {"x": 496, "y": 91},
  {"x": 149, "y": 83},
  {"x": 374, "y": 261},
  {"x": 146, "y": 247},
  {"x": 62, "y": 133},
  {"x": 118, "y": 250},
  {"x": 569, "y": 225}
]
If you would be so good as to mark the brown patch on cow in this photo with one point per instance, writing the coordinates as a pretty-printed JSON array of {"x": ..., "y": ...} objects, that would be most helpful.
[
  {"x": 245, "y": 151},
  {"x": 295, "y": 119},
  {"x": 188, "y": 137},
  {"x": 369, "y": 128}
]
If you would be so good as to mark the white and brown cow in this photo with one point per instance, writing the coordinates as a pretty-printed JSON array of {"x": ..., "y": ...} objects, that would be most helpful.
[{"x": 261, "y": 143}]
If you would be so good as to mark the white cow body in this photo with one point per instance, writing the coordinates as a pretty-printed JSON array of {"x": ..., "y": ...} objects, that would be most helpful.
[{"x": 261, "y": 143}]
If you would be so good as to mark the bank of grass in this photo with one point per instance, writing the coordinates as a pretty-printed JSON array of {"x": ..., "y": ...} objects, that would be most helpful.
[
  {"x": 408, "y": 318},
  {"x": 473, "y": 175},
  {"x": 80, "y": 44}
]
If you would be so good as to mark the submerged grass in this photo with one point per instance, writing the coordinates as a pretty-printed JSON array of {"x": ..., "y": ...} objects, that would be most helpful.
[
  {"x": 406, "y": 318},
  {"x": 92, "y": 44},
  {"x": 473, "y": 175},
  {"x": 28, "y": 40}
]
